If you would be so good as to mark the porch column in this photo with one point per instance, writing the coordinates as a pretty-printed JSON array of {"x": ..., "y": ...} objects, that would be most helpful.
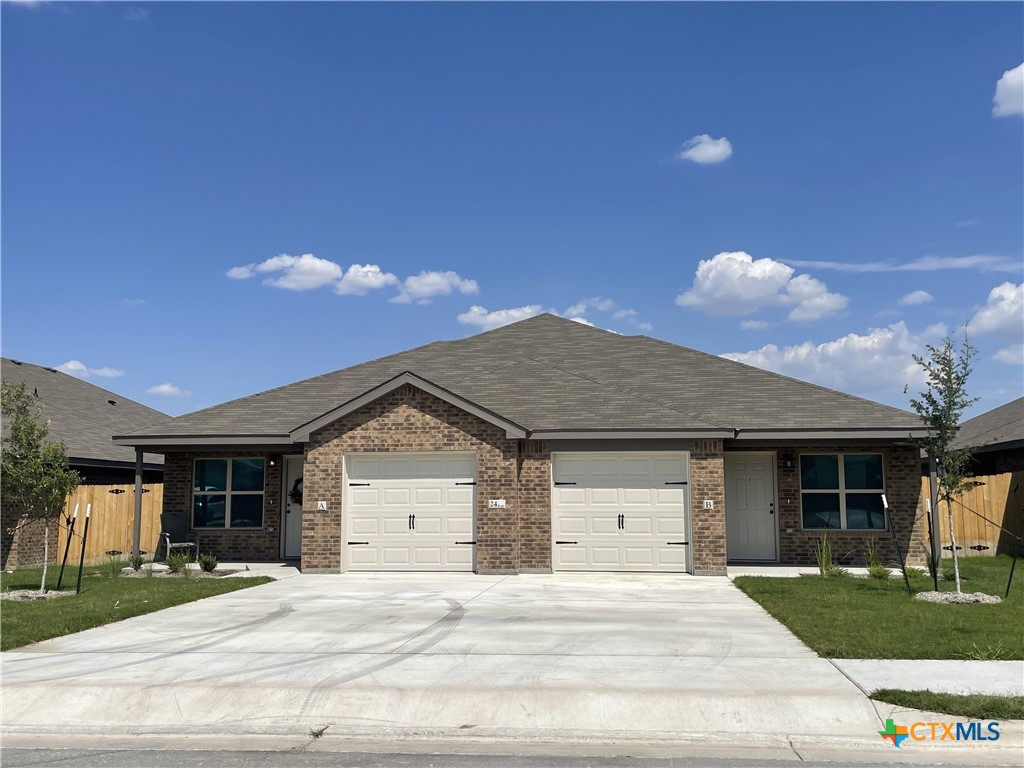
[{"x": 137, "y": 525}]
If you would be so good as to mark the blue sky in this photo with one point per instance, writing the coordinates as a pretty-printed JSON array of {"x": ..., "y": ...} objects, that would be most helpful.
[{"x": 202, "y": 201}]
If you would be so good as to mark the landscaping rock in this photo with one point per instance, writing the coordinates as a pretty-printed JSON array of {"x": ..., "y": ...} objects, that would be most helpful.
[
  {"x": 957, "y": 597},
  {"x": 28, "y": 595}
]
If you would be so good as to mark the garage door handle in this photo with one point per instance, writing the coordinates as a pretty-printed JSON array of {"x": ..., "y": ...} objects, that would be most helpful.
[
  {"x": 469, "y": 483},
  {"x": 676, "y": 482},
  {"x": 557, "y": 483},
  {"x": 352, "y": 485},
  {"x": 465, "y": 542},
  {"x": 359, "y": 542},
  {"x": 566, "y": 542},
  {"x": 678, "y": 543}
]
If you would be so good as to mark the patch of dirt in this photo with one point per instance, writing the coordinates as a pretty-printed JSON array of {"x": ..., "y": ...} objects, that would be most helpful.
[
  {"x": 30, "y": 595},
  {"x": 957, "y": 597}
]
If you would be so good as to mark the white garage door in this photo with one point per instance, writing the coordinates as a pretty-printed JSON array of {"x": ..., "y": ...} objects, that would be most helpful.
[
  {"x": 619, "y": 511},
  {"x": 409, "y": 512}
]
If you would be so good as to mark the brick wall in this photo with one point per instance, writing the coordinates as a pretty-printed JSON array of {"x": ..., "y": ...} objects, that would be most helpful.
[
  {"x": 21, "y": 545},
  {"x": 256, "y": 545},
  {"x": 707, "y": 527},
  {"x": 902, "y": 468},
  {"x": 412, "y": 420}
]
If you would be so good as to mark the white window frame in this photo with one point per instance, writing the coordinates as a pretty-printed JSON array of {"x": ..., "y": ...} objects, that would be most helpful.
[
  {"x": 228, "y": 493},
  {"x": 842, "y": 490}
]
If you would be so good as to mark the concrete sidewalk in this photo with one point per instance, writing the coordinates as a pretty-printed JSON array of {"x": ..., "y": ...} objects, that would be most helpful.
[{"x": 995, "y": 678}]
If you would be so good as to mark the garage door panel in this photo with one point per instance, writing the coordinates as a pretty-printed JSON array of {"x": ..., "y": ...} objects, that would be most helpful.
[
  {"x": 603, "y": 526},
  {"x": 621, "y": 513},
  {"x": 570, "y": 526},
  {"x": 428, "y": 497},
  {"x": 402, "y": 488}
]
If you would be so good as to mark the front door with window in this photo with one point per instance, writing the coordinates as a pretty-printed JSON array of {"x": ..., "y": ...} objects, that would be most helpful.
[
  {"x": 750, "y": 527},
  {"x": 292, "y": 546}
]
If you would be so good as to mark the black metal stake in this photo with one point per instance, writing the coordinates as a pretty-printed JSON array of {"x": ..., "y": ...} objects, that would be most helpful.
[
  {"x": 1013, "y": 564},
  {"x": 81, "y": 557},
  {"x": 67, "y": 546},
  {"x": 933, "y": 561}
]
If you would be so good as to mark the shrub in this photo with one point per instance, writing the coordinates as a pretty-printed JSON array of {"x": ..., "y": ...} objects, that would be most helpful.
[
  {"x": 112, "y": 566},
  {"x": 208, "y": 563},
  {"x": 177, "y": 563},
  {"x": 823, "y": 556},
  {"x": 135, "y": 561},
  {"x": 871, "y": 555},
  {"x": 915, "y": 573},
  {"x": 878, "y": 571}
]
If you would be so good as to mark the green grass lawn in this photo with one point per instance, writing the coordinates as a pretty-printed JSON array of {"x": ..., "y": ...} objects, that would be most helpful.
[
  {"x": 22, "y": 623},
  {"x": 974, "y": 706},
  {"x": 853, "y": 618}
]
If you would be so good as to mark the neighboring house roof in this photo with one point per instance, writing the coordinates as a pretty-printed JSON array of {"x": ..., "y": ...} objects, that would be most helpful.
[
  {"x": 551, "y": 377},
  {"x": 998, "y": 429},
  {"x": 84, "y": 416}
]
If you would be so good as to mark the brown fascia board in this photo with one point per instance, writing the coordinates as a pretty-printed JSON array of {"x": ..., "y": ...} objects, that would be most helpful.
[
  {"x": 302, "y": 433},
  {"x": 155, "y": 443},
  {"x": 629, "y": 434},
  {"x": 829, "y": 435}
]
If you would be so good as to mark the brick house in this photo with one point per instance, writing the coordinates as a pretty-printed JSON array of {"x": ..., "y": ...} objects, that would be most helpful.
[
  {"x": 543, "y": 445},
  {"x": 84, "y": 417}
]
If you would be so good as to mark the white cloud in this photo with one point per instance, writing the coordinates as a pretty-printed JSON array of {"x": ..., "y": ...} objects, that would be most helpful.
[
  {"x": 480, "y": 317},
  {"x": 300, "y": 273},
  {"x": 135, "y": 14},
  {"x": 1003, "y": 317},
  {"x": 79, "y": 370},
  {"x": 753, "y": 325},
  {"x": 916, "y": 297},
  {"x": 878, "y": 361},
  {"x": 133, "y": 302},
  {"x": 983, "y": 262},
  {"x": 1009, "y": 98},
  {"x": 1003, "y": 313},
  {"x": 360, "y": 279},
  {"x": 422, "y": 288},
  {"x": 1011, "y": 355},
  {"x": 170, "y": 390},
  {"x": 629, "y": 316},
  {"x": 966, "y": 223},
  {"x": 241, "y": 273},
  {"x": 582, "y": 321},
  {"x": 705, "y": 150},
  {"x": 733, "y": 283}
]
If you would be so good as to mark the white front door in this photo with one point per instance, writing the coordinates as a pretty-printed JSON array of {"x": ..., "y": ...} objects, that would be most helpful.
[
  {"x": 750, "y": 527},
  {"x": 409, "y": 512},
  {"x": 292, "y": 503},
  {"x": 619, "y": 511}
]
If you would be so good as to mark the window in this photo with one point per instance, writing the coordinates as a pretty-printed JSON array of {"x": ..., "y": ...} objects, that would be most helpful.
[
  {"x": 842, "y": 491},
  {"x": 228, "y": 493}
]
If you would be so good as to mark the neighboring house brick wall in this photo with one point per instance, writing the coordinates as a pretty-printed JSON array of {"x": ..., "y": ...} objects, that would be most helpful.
[
  {"x": 707, "y": 527},
  {"x": 412, "y": 420},
  {"x": 226, "y": 544},
  {"x": 902, "y": 467},
  {"x": 534, "y": 486},
  {"x": 21, "y": 545}
]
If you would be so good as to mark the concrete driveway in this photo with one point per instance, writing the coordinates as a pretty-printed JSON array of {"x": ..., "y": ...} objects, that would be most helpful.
[{"x": 583, "y": 656}]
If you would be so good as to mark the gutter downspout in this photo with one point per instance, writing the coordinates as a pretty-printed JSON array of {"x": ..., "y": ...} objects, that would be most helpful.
[{"x": 137, "y": 523}]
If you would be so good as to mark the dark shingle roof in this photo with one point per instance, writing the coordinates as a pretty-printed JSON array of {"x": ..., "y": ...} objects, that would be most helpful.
[
  {"x": 81, "y": 414},
  {"x": 994, "y": 428},
  {"x": 548, "y": 373}
]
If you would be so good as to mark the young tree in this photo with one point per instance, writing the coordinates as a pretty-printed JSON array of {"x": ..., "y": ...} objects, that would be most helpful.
[
  {"x": 941, "y": 405},
  {"x": 34, "y": 472}
]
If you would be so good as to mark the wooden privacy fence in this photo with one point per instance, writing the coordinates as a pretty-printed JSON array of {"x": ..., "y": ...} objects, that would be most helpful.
[
  {"x": 1000, "y": 499},
  {"x": 112, "y": 520}
]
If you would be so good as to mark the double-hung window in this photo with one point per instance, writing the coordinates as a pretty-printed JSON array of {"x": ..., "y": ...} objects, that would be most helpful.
[
  {"x": 842, "y": 491},
  {"x": 228, "y": 493}
]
